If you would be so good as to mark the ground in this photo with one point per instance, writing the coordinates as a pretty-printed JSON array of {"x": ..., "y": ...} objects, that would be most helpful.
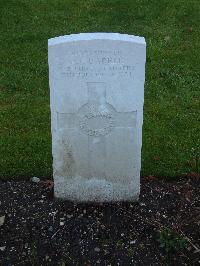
[{"x": 161, "y": 229}]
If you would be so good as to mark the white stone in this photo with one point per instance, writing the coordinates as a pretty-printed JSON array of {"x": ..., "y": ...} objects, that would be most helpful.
[
  {"x": 97, "y": 94},
  {"x": 2, "y": 220},
  {"x": 3, "y": 248},
  {"x": 35, "y": 179}
]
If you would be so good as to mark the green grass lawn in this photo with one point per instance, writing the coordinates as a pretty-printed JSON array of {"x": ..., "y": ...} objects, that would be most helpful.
[{"x": 171, "y": 132}]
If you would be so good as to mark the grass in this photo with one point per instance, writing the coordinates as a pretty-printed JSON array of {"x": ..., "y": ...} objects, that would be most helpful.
[
  {"x": 172, "y": 103},
  {"x": 170, "y": 240}
]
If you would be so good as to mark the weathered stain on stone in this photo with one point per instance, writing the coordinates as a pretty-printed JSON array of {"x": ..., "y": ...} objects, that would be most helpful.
[{"x": 64, "y": 162}]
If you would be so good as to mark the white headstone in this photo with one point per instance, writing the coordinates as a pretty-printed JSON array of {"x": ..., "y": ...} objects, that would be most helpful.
[{"x": 97, "y": 94}]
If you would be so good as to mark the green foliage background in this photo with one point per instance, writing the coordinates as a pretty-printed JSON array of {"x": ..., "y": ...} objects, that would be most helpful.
[{"x": 172, "y": 103}]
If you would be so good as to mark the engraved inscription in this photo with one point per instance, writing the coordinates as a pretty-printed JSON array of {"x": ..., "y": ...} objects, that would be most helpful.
[
  {"x": 95, "y": 71},
  {"x": 97, "y": 123},
  {"x": 85, "y": 64}
]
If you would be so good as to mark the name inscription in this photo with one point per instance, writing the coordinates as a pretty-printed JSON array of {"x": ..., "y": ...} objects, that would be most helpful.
[{"x": 85, "y": 64}]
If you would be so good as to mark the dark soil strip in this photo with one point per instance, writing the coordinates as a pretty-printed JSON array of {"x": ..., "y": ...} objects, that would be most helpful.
[{"x": 38, "y": 230}]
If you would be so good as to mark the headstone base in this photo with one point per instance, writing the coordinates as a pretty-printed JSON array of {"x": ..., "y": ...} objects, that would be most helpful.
[{"x": 95, "y": 190}]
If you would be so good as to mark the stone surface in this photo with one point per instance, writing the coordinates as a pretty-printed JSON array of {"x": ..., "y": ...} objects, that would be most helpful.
[
  {"x": 97, "y": 93},
  {"x": 35, "y": 179}
]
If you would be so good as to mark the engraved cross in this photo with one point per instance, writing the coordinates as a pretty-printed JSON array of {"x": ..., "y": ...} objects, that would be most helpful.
[{"x": 97, "y": 119}]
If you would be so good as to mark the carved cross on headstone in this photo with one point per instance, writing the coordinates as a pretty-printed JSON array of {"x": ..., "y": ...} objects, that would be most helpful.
[{"x": 96, "y": 119}]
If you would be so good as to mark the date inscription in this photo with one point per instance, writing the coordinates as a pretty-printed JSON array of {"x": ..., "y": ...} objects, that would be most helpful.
[{"x": 93, "y": 64}]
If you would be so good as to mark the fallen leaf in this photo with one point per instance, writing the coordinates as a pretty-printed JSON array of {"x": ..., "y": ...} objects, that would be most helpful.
[
  {"x": 190, "y": 29},
  {"x": 150, "y": 177},
  {"x": 194, "y": 176},
  {"x": 48, "y": 183},
  {"x": 188, "y": 195},
  {"x": 167, "y": 38}
]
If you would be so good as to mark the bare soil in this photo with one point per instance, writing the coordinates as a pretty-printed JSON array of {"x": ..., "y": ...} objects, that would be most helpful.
[{"x": 36, "y": 229}]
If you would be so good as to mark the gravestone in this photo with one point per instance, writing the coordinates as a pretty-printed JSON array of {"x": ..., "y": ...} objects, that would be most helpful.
[{"x": 97, "y": 94}]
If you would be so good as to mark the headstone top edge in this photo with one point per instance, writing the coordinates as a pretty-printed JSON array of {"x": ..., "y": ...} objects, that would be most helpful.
[{"x": 96, "y": 36}]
